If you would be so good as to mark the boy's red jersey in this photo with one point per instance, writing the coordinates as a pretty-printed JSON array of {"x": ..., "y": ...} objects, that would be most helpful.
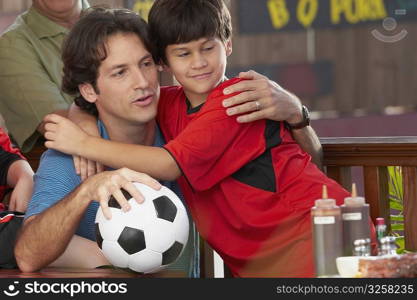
[{"x": 249, "y": 187}]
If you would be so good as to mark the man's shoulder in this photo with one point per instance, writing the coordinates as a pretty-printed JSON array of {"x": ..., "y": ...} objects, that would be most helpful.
[
  {"x": 16, "y": 32},
  {"x": 54, "y": 162}
]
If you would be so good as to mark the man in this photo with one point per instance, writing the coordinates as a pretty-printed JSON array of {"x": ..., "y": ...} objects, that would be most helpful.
[
  {"x": 126, "y": 109},
  {"x": 31, "y": 67}
]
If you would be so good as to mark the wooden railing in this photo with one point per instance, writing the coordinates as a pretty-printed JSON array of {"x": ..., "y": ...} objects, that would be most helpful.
[{"x": 374, "y": 154}]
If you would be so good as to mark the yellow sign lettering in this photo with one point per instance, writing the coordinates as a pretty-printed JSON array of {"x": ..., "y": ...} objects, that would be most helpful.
[
  {"x": 355, "y": 11},
  {"x": 307, "y": 11},
  {"x": 279, "y": 13},
  {"x": 352, "y": 11},
  {"x": 336, "y": 9}
]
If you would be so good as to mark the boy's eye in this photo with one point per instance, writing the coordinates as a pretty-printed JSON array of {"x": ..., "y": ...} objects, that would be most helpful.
[
  {"x": 208, "y": 48},
  {"x": 183, "y": 54}
]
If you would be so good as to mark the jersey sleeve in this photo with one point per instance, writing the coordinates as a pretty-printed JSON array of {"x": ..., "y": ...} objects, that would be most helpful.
[{"x": 214, "y": 146}]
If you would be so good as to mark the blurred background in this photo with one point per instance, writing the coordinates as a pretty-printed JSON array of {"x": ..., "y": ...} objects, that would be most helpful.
[{"x": 352, "y": 62}]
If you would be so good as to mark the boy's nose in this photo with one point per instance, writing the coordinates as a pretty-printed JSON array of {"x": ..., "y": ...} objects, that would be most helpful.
[{"x": 199, "y": 62}]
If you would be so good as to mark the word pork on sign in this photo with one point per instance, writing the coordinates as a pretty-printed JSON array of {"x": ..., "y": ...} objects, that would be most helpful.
[{"x": 276, "y": 15}]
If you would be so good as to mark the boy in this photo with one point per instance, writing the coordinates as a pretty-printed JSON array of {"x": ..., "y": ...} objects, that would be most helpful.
[{"x": 249, "y": 187}]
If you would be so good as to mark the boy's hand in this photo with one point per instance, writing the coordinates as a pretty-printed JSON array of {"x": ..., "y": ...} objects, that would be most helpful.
[
  {"x": 21, "y": 194},
  {"x": 102, "y": 186},
  {"x": 63, "y": 135},
  {"x": 85, "y": 167},
  {"x": 261, "y": 98}
]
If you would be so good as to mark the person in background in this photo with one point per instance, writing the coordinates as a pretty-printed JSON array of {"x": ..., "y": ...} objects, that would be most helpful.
[
  {"x": 16, "y": 177},
  {"x": 31, "y": 68}
]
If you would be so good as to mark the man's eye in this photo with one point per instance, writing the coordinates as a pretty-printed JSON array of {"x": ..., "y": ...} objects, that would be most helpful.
[
  {"x": 119, "y": 74},
  {"x": 208, "y": 48},
  {"x": 148, "y": 63},
  {"x": 183, "y": 54}
]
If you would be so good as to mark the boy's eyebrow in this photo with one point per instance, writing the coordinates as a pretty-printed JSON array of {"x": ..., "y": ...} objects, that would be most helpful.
[{"x": 180, "y": 47}]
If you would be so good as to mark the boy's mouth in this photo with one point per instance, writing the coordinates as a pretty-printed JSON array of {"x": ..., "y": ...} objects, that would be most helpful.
[{"x": 202, "y": 76}]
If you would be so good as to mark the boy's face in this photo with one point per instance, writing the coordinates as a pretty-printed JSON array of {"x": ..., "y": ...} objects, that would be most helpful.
[
  {"x": 127, "y": 83},
  {"x": 199, "y": 66}
]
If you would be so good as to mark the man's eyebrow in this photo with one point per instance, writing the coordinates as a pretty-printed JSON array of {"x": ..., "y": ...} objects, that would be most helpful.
[
  {"x": 147, "y": 56},
  {"x": 115, "y": 67}
]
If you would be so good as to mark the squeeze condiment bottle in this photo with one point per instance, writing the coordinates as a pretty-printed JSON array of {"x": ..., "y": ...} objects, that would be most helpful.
[
  {"x": 355, "y": 218},
  {"x": 381, "y": 232},
  {"x": 327, "y": 235}
]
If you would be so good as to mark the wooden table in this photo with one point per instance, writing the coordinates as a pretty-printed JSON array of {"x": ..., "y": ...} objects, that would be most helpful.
[{"x": 85, "y": 273}]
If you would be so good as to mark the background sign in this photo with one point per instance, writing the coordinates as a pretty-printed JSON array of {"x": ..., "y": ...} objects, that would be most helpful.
[{"x": 264, "y": 16}]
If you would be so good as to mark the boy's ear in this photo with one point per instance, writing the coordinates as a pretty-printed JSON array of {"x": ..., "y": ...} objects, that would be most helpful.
[
  {"x": 88, "y": 92},
  {"x": 229, "y": 47}
]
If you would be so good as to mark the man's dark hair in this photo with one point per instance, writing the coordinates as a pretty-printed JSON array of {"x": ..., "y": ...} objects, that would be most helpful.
[
  {"x": 181, "y": 21},
  {"x": 85, "y": 47}
]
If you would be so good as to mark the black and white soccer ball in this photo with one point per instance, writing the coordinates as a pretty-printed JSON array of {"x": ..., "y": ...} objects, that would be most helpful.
[{"x": 147, "y": 238}]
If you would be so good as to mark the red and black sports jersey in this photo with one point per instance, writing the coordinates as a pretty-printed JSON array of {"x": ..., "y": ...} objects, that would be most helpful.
[
  {"x": 249, "y": 187},
  {"x": 8, "y": 155}
]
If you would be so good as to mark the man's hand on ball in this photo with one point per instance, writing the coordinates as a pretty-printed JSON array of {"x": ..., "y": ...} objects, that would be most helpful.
[{"x": 102, "y": 186}]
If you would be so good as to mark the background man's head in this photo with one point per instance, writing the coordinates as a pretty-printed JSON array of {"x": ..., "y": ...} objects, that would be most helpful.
[
  {"x": 64, "y": 12},
  {"x": 86, "y": 48}
]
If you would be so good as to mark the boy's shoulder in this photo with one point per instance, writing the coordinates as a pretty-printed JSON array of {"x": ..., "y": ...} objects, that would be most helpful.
[{"x": 171, "y": 90}]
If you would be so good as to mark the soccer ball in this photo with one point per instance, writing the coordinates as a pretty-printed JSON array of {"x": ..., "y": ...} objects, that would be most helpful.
[{"x": 147, "y": 238}]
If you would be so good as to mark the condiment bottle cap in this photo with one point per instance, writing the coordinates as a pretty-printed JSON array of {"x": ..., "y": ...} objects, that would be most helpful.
[
  {"x": 380, "y": 221},
  {"x": 325, "y": 203},
  {"x": 354, "y": 201}
]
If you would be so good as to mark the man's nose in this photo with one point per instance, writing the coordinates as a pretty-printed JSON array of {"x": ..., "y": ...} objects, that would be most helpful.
[{"x": 140, "y": 79}]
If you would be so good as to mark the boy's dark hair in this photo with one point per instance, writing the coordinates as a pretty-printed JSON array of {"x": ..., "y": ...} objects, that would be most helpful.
[
  {"x": 85, "y": 47},
  {"x": 181, "y": 21}
]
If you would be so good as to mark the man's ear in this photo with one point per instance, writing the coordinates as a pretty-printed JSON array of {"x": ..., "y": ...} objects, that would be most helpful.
[
  {"x": 88, "y": 92},
  {"x": 229, "y": 48},
  {"x": 166, "y": 68}
]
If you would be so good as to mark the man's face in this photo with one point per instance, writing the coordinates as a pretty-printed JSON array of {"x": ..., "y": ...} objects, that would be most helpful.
[
  {"x": 56, "y": 7},
  {"x": 199, "y": 65},
  {"x": 127, "y": 82}
]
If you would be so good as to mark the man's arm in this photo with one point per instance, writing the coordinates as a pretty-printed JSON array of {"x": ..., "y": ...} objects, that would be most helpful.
[
  {"x": 274, "y": 103},
  {"x": 44, "y": 237},
  {"x": 29, "y": 89}
]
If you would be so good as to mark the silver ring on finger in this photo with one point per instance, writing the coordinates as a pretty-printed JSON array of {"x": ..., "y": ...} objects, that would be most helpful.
[{"x": 258, "y": 106}]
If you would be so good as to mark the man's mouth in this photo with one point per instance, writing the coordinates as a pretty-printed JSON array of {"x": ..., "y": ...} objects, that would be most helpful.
[{"x": 143, "y": 101}]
